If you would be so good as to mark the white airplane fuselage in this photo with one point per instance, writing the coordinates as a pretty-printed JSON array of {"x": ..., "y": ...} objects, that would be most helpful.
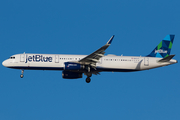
[
  {"x": 107, "y": 63},
  {"x": 73, "y": 66}
]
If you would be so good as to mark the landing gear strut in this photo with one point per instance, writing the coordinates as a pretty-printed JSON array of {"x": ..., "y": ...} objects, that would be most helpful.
[
  {"x": 22, "y": 72},
  {"x": 88, "y": 79},
  {"x": 88, "y": 73}
]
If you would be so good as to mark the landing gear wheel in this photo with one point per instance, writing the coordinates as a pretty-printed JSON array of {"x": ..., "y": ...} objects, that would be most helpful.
[
  {"x": 22, "y": 72},
  {"x": 88, "y": 79},
  {"x": 21, "y": 75}
]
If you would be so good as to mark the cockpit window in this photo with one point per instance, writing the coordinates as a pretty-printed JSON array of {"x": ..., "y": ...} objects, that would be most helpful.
[{"x": 12, "y": 58}]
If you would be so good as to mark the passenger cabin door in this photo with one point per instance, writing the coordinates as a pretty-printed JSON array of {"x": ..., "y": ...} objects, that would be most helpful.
[
  {"x": 56, "y": 58},
  {"x": 22, "y": 57},
  {"x": 146, "y": 61}
]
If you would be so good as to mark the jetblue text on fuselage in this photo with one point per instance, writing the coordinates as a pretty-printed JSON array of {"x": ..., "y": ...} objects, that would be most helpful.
[{"x": 37, "y": 58}]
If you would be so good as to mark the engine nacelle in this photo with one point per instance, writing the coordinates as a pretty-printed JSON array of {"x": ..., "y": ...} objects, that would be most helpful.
[
  {"x": 72, "y": 66},
  {"x": 71, "y": 75}
]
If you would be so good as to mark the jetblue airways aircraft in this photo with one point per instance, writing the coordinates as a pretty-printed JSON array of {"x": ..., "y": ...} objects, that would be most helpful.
[{"x": 73, "y": 66}]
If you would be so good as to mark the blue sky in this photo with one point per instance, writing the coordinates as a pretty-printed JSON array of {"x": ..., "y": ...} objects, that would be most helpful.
[{"x": 81, "y": 27}]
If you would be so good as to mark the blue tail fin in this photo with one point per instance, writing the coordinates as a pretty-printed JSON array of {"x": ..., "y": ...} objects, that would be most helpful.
[{"x": 164, "y": 47}]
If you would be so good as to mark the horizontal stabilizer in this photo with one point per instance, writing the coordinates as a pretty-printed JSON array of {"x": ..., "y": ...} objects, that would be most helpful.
[{"x": 166, "y": 59}]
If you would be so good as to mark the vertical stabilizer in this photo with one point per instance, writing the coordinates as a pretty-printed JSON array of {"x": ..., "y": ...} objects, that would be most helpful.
[{"x": 164, "y": 47}]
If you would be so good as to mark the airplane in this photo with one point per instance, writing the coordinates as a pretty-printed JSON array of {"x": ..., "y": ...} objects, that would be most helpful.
[{"x": 74, "y": 66}]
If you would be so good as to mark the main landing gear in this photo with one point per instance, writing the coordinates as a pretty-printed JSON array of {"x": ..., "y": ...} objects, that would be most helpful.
[
  {"x": 22, "y": 72},
  {"x": 88, "y": 79}
]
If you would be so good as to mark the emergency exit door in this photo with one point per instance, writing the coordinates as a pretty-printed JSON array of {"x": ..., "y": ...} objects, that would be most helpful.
[{"x": 56, "y": 58}]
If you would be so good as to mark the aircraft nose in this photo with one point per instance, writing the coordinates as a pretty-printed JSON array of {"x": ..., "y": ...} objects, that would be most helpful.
[{"x": 4, "y": 63}]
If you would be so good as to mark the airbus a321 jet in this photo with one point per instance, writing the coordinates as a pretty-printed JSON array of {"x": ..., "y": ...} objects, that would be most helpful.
[{"x": 74, "y": 66}]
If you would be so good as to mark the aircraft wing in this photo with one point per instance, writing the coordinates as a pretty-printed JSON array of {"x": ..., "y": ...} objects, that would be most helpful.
[{"x": 94, "y": 57}]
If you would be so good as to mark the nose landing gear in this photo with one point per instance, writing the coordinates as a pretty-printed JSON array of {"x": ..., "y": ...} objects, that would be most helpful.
[
  {"x": 88, "y": 79},
  {"x": 22, "y": 72}
]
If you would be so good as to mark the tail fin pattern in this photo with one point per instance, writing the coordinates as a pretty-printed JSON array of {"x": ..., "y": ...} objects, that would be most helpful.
[{"x": 164, "y": 47}]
